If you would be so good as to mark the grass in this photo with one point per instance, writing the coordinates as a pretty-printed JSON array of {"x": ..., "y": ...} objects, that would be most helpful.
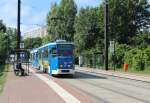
[
  {"x": 3, "y": 74},
  {"x": 144, "y": 72}
]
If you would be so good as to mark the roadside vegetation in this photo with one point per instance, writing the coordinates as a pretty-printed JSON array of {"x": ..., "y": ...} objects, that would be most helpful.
[
  {"x": 129, "y": 23},
  {"x": 3, "y": 75},
  {"x": 8, "y": 42}
]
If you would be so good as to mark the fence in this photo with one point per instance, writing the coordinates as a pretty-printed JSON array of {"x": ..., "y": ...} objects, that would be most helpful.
[{"x": 93, "y": 60}]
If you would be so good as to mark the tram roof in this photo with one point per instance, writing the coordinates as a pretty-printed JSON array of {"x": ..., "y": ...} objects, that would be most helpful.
[
  {"x": 55, "y": 43},
  {"x": 34, "y": 50}
]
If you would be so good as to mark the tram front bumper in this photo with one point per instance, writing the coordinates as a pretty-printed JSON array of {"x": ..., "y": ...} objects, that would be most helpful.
[{"x": 63, "y": 71}]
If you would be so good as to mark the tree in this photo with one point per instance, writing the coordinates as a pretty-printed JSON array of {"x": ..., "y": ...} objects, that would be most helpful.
[
  {"x": 3, "y": 42},
  {"x": 141, "y": 39},
  {"x": 60, "y": 20},
  {"x": 3, "y": 48},
  {"x": 46, "y": 39},
  {"x": 52, "y": 25},
  {"x": 12, "y": 38},
  {"x": 69, "y": 10},
  {"x": 2, "y": 26},
  {"x": 89, "y": 33},
  {"x": 127, "y": 17}
]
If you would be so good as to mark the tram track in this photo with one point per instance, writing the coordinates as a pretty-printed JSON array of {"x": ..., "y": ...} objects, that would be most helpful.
[
  {"x": 116, "y": 91},
  {"x": 122, "y": 81},
  {"x": 91, "y": 80}
]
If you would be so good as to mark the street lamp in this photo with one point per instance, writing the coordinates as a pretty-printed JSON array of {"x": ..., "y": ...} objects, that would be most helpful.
[
  {"x": 106, "y": 34},
  {"x": 18, "y": 28}
]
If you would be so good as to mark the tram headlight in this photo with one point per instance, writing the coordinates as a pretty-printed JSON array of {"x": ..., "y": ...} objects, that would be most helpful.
[
  {"x": 69, "y": 66},
  {"x": 61, "y": 66}
]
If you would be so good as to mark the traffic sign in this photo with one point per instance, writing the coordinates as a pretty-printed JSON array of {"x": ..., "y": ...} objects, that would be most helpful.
[
  {"x": 21, "y": 45},
  {"x": 112, "y": 47}
]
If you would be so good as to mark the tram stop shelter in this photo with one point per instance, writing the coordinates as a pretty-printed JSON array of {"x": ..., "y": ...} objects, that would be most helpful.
[{"x": 22, "y": 56}]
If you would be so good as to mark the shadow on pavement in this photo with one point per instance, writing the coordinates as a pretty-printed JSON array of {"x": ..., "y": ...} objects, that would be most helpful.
[
  {"x": 80, "y": 75},
  {"x": 40, "y": 72}
]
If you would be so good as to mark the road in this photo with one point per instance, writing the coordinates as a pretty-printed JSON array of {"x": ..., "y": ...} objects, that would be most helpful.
[
  {"x": 84, "y": 87},
  {"x": 107, "y": 89}
]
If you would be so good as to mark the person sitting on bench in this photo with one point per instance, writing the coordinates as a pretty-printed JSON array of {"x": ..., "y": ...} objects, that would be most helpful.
[{"x": 19, "y": 67}]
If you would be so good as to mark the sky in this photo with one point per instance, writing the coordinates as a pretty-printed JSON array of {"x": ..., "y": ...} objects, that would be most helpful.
[{"x": 33, "y": 12}]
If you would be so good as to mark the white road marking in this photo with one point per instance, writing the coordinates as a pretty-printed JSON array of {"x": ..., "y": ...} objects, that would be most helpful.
[{"x": 66, "y": 96}]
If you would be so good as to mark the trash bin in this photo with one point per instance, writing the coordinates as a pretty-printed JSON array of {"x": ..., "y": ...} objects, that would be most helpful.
[{"x": 125, "y": 67}]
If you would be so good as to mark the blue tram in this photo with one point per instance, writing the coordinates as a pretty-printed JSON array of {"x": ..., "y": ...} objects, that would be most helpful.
[
  {"x": 54, "y": 58},
  {"x": 34, "y": 58}
]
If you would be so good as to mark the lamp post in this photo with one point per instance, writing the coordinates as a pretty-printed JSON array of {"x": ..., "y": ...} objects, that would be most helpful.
[
  {"x": 18, "y": 28},
  {"x": 106, "y": 34}
]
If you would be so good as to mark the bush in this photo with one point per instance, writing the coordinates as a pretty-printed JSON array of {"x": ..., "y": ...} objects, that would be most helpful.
[
  {"x": 138, "y": 61},
  {"x": 128, "y": 58},
  {"x": 135, "y": 59},
  {"x": 147, "y": 57},
  {"x": 119, "y": 54}
]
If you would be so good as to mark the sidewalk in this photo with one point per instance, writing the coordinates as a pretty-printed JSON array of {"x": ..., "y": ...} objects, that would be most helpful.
[
  {"x": 138, "y": 77},
  {"x": 27, "y": 89}
]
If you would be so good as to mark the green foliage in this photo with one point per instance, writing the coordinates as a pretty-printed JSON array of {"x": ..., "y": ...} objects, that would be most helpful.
[
  {"x": 142, "y": 39},
  {"x": 127, "y": 17},
  {"x": 137, "y": 58},
  {"x": 3, "y": 48},
  {"x": 60, "y": 20},
  {"x": 138, "y": 62},
  {"x": 46, "y": 39},
  {"x": 119, "y": 54},
  {"x": 12, "y": 39},
  {"x": 128, "y": 58},
  {"x": 3, "y": 75},
  {"x": 147, "y": 57},
  {"x": 3, "y": 42},
  {"x": 32, "y": 42},
  {"x": 2, "y": 26},
  {"x": 88, "y": 34}
]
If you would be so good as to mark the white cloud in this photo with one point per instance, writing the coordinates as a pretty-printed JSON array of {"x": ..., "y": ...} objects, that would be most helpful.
[
  {"x": 30, "y": 15},
  {"x": 8, "y": 12},
  {"x": 33, "y": 21}
]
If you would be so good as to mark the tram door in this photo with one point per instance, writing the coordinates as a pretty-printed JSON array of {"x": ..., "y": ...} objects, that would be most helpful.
[{"x": 53, "y": 60}]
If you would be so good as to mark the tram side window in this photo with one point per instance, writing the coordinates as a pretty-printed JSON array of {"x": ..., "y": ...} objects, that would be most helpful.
[
  {"x": 36, "y": 56},
  {"x": 39, "y": 54},
  {"x": 46, "y": 52},
  {"x": 53, "y": 52},
  {"x": 31, "y": 58}
]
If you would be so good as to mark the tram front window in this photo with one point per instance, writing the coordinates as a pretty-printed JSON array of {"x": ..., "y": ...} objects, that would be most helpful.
[{"x": 65, "y": 53}]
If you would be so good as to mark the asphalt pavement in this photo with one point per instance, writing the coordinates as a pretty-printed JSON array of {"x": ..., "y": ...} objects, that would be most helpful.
[
  {"x": 103, "y": 88},
  {"x": 84, "y": 87}
]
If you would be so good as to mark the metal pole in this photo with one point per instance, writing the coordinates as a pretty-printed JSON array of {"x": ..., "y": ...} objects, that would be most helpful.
[
  {"x": 114, "y": 55},
  {"x": 18, "y": 28},
  {"x": 106, "y": 35}
]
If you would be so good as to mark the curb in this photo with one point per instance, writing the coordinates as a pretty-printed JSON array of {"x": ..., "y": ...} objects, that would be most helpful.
[{"x": 121, "y": 75}]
